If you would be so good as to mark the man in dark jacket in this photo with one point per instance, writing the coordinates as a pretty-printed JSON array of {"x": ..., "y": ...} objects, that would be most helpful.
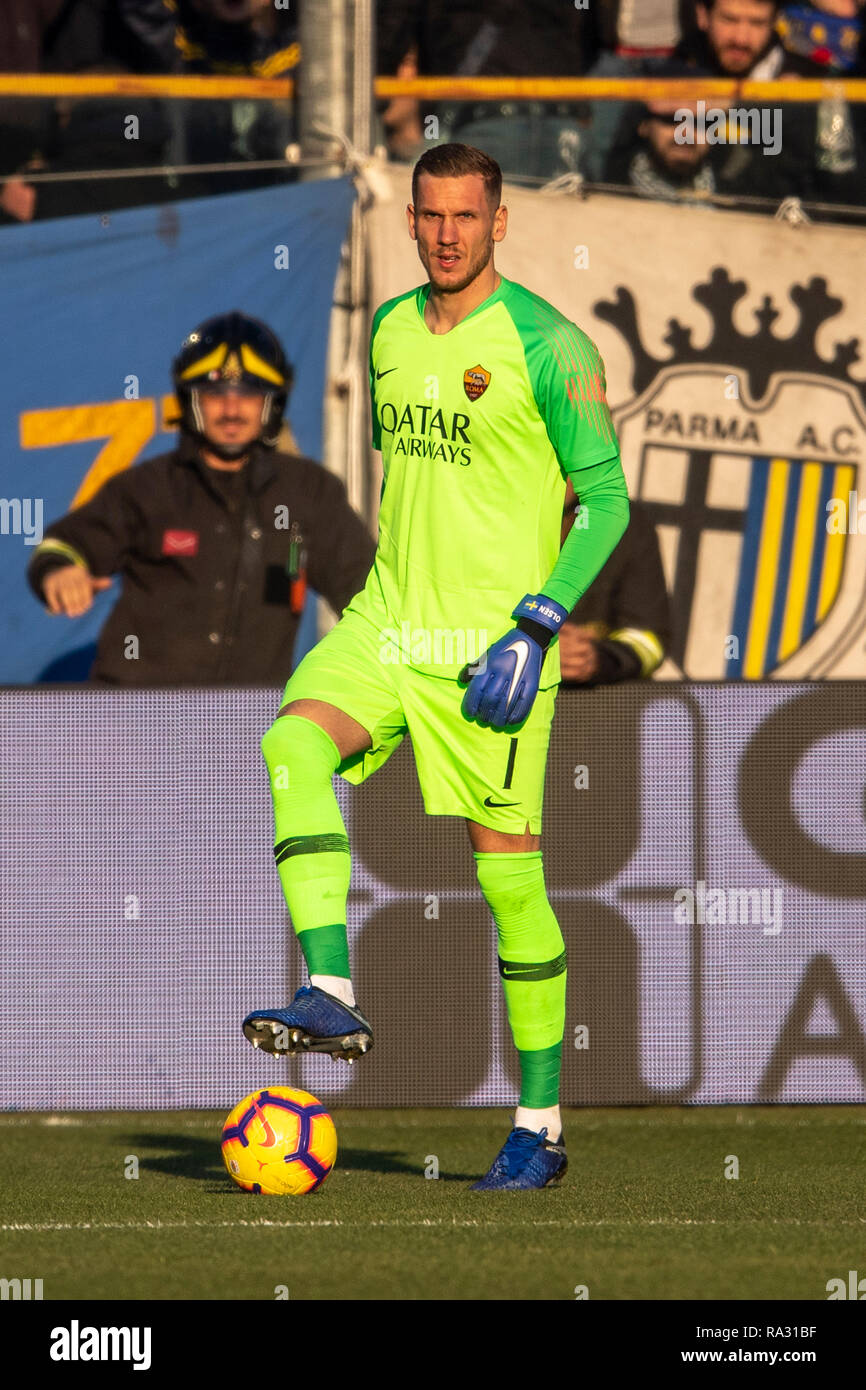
[
  {"x": 23, "y": 25},
  {"x": 214, "y": 36},
  {"x": 621, "y": 628},
  {"x": 480, "y": 38},
  {"x": 238, "y": 38},
  {"x": 214, "y": 541},
  {"x": 820, "y": 158}
]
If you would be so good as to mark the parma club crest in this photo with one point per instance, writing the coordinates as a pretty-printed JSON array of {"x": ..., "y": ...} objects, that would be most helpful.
[
  {"x": 475, "y": 382},
  {"x": 746, "y": 452}
]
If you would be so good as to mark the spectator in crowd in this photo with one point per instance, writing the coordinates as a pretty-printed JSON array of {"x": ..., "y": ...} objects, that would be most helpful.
[
  {"x": 620, "y": 629},
  {"x": 23, "y": 26},
  {"x": 635, "y": 37},
  {"x": 237, "y": 38},
  {"x": 828, "y": 33},
  {"x": 401, "y": 118},
  {"x": 89, "y": 34},
  {"x": 215, "y": 540},
  {"x": 99, "y": 133},
  {"x": 653, "y": 161},
  {"x": 234, "y": 37},
  {"x": 830, "y": 36},
  {"x": 488, "y": 38},
  {"x": 83, "y": 133},
  {"x": 738, "y": 38},
  {"x": 735, "y": 38}
]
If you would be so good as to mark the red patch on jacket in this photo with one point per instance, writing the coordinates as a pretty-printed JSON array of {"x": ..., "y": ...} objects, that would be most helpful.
[{"x": 180, "y": 542}]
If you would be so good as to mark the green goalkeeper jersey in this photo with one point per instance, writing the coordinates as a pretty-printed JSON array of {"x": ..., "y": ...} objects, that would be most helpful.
[{"x": 478, "y": 429}]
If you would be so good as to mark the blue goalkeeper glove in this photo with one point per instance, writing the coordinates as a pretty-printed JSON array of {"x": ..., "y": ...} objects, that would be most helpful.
[{"x": 503, "y": 684}]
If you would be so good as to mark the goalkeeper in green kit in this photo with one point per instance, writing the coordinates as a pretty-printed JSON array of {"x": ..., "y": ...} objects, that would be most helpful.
[{"x": 485, "y": 400}]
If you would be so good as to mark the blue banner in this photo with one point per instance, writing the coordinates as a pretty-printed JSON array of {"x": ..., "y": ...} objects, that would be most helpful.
[{"x": 92, "y": 311}]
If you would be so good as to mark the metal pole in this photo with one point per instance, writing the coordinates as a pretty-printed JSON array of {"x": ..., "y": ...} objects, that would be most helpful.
[
  {"x": 364, "y": 59},
  {"x": 335, "y": 94},
  {"x": 324, "y": 81},
  {"x": 358, "y": 458}
]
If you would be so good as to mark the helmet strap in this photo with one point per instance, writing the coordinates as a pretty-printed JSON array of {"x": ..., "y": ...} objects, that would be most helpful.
[{"x": 195, "y": 407}]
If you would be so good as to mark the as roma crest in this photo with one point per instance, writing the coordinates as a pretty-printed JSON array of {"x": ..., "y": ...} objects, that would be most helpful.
[{"x": 475, "y": 382}]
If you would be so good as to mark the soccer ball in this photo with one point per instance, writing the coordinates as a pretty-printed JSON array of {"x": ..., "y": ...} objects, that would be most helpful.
[{"x": 279, "y": 1141}]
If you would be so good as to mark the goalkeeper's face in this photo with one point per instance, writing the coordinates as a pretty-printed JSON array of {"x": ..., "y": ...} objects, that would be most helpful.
[{"x": 456, "y": 230}]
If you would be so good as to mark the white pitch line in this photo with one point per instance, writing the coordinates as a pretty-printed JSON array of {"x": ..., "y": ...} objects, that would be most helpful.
[
  {"x": 214, "y": 1122},
  {"x": 430, "y": 1222},
  {"x": 74, "y": 1122}
]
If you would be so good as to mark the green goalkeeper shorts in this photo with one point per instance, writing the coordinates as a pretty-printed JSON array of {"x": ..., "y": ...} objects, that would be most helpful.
[{"x": 493, "y": 778}]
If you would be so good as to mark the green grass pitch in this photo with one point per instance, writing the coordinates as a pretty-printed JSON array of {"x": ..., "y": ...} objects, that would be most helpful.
[{"x": 645, "y": 1211}]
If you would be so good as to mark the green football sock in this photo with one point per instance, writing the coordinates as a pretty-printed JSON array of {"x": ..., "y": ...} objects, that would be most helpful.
[
  {"x": 532, "y": 968},
  {"x": 311, "y": 846}
]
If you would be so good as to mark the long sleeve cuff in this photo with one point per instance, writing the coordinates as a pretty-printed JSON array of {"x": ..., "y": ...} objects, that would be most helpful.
[{"x": 51, "y": 554}]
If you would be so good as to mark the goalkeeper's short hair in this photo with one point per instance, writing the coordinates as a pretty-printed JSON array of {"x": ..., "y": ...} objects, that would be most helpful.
[{"x": 455, "y": 160}]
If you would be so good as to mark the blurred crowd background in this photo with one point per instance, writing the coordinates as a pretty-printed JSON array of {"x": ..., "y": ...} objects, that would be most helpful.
[{"x": 628, "y": 145}]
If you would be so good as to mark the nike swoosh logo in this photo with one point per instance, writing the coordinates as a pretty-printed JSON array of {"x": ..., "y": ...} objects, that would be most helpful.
[
  {"x": 271, "y": 1138},
  {"x": 379, "y": 375},
  {"x": 520, "y": 647},
  {"x": 489, "y": 802}
]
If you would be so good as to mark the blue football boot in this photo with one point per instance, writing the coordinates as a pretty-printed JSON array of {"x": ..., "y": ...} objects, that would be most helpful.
[
  {"x": 315, "y": 1021},
  {"x": 526, "y": 1160}
]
